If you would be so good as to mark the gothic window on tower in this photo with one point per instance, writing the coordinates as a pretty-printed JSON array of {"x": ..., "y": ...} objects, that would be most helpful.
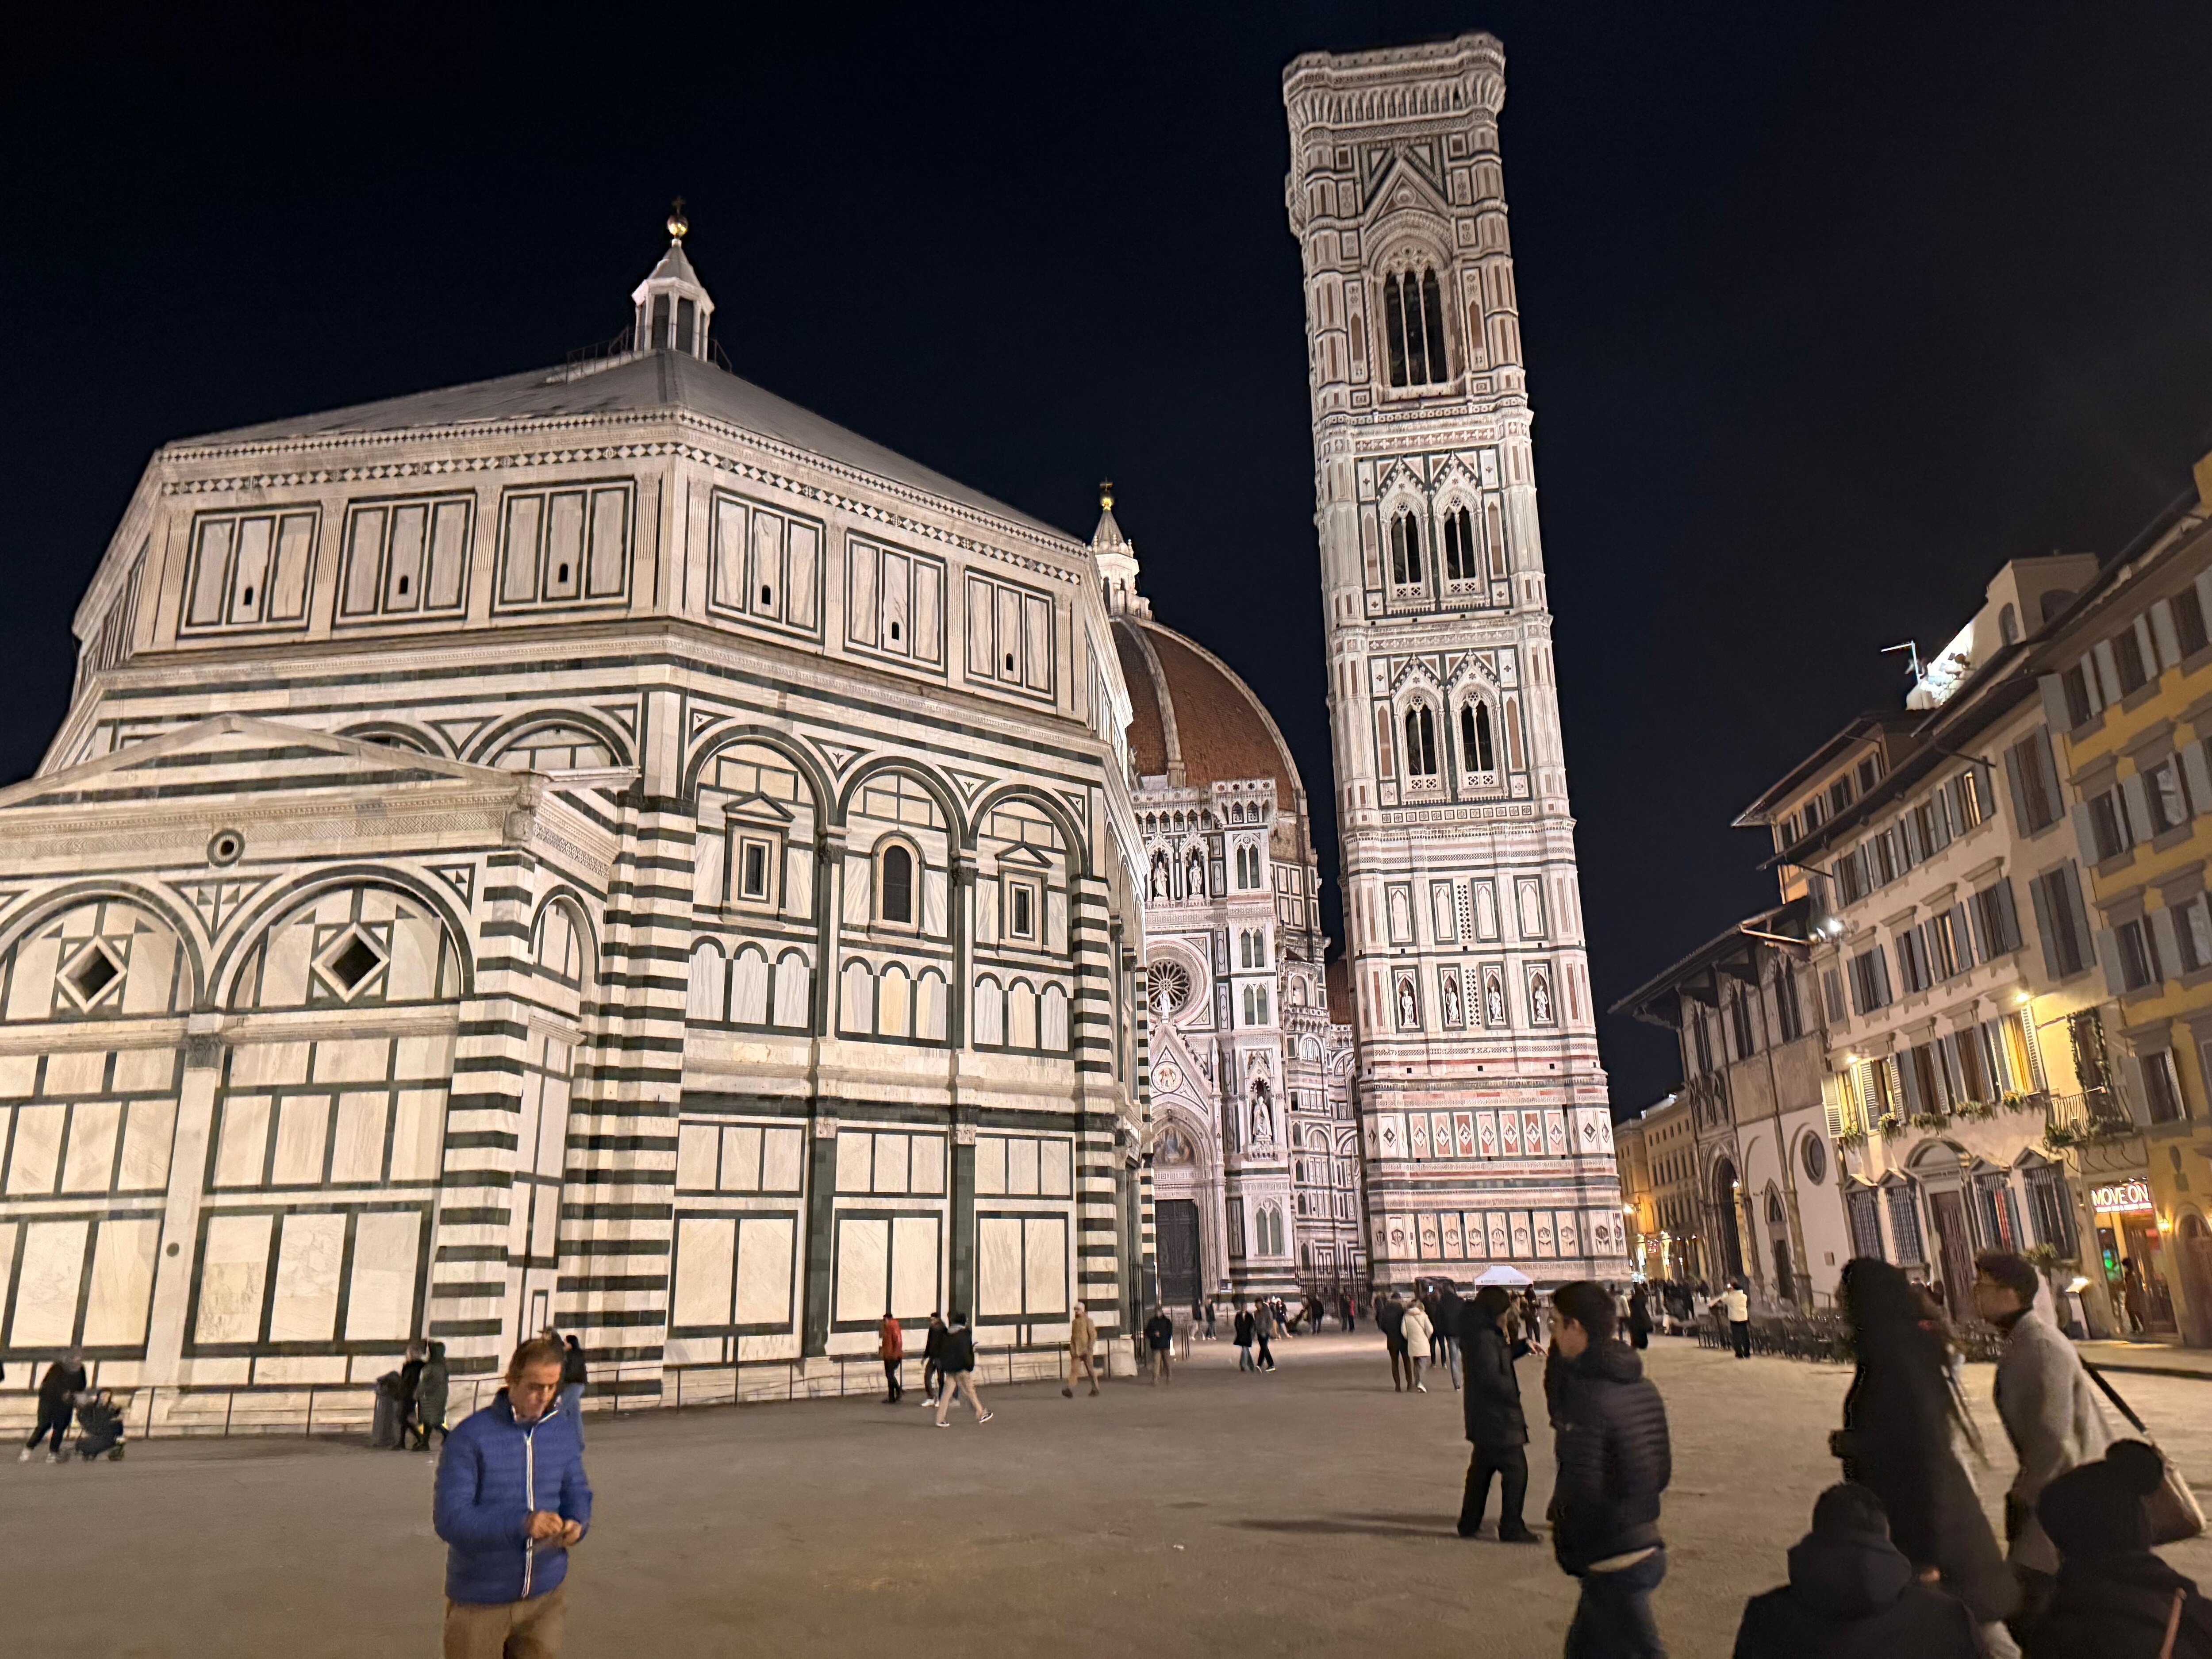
[
  {"x": 1478, "y": 746},
  {"x": 1462, "y": 555},
  {"x": 1420, "y": 747},
  {"x": 1413, "y": 328},
  {"x": 1405, "y": 551}
]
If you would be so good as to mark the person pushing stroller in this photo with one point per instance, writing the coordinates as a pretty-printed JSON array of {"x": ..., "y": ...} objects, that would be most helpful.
[{"x": 99, "y": 1426}]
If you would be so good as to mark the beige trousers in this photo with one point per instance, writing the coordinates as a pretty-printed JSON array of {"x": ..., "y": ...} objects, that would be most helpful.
[{"x": 508, "y": 1629}]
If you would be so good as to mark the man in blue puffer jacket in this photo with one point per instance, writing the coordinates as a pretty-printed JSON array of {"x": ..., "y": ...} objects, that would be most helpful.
[{"x": 511, "y": 1500}]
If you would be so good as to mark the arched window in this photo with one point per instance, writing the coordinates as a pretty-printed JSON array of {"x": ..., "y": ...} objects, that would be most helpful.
[
  {"x": 1476, "y": 749},
  {"x": 1259, "y": 949},
  {"x": 1460, "y": 562},
  {"x": 898, "y": 884},
  {"x": 1251, "y": 1011},
  {"x": 1413, "y": 325},
  {"x": 1405, "y": 551},
  {"x": 1263, "y": 1020},
  {"x": 1420, "y": 742}
]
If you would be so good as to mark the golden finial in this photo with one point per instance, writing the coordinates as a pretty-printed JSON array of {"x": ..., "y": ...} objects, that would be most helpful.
[
  {"x": 1106, "y": 494},
  {"x": 679, "y": 226}
]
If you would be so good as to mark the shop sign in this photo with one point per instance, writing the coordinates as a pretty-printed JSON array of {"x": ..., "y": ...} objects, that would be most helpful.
[{"x": 2121, "y": 1195}]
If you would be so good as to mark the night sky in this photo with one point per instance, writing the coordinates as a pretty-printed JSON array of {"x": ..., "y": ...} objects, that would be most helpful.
[{"x": 1828, "y": 311}]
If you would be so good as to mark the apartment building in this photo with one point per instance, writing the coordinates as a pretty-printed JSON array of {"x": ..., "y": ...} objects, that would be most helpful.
[
  {"x": 2126, "y": 678},
  {"x": 1965, "y": 1042}
]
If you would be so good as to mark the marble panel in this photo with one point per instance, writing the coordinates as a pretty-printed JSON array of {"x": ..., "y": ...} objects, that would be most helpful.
[
  {"x": 19, "y": 1076},
  {"x": 303, "y": 1126},
  {"x": 914, "y": 1267},
  {"x": 381, "y": 1304},
  {"x": 927, "y": 1165},
  {"x": 853, "y": 1147},
  {"x": 765, "y": 1250},
  {"x": 258, "y": 1064},
  {"x": 357, "y": 1151},
  {"x": 34, "y": 1159},
  {"x": 1056, "y": 1169},
  {"x": 749, "y": 988},
  {"x": 705, "y": 1263},
  {"x": 891, "y": 1166},
  {"x": 303, "y": 1306},
  {"x": 1022, "y": 1167},
  {"x": 139, "y": 1070},
  {"x": 779, "y": 1160},
  {"x": 741, "y": 1158},
  {"x": 425, "y": 1059},
  {"x": 233, "y": 1275},
  {"x": 696, "y": 1144},
  {"x": 863, "y": 1267},
  {"x": 418, "y": 1134},
  {"x": 46, "y": 1287},
  {"x": 90, "y": 1166},
  {"x": 990, "y": 1165},
  {"x": 353, "y": 1060},
  {"x": 82, "y": 1071},
  {"x": 1044, "y": 1253},
  {"x": 242, "y": 1151},
  {"x": 998, "y": 1265}
]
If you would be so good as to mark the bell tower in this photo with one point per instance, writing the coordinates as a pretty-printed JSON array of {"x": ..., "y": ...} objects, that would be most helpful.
[{"x": 1481, "y": 1100}]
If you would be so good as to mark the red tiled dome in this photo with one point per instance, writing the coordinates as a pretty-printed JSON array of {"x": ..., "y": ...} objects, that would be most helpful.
[{"x": 1212, "y": 729}]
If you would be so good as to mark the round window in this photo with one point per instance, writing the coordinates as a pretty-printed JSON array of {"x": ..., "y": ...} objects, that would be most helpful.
[
  {"x": 1814, "y": 1155},
  {"x": 225, "y": 847},
  {"x": 1169, "y": 986}
]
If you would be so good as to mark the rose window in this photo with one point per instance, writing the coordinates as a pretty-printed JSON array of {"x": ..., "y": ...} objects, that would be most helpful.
[{"x": 1169, "y": 988}]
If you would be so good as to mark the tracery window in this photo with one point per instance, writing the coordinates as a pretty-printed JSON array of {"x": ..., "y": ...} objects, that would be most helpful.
[
  {"x": 1420, "y": 742},
  {"x": 1476, "y": 745},
  {"x": 1413, "y": 327},
  {"x": 1405, "y": 551},
  {"x": 1461, "y": 563}
]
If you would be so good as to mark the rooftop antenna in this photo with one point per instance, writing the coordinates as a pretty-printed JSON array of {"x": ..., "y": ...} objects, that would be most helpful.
[{"x": 1913, "y": 646}]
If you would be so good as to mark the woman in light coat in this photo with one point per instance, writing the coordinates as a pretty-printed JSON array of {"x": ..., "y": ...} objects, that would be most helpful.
[
  {"x": 1418, "y": 1331},
  {"x": 1082, "y": 1338}
]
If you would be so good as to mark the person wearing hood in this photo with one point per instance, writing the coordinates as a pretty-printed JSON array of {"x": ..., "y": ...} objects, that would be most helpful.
[
  {"x": 1495, "y": 1426},
  {"x": 1614, "y": 1459},
  {"x": 1899, "y": 1416},
  {"x": 511, "y": 1501},
  {"x": 1414, "y": 1332},
  {"x": 1446, "y": 1311},
  {"x": 1852, "y": 1594},
  {"x": 1390, "y": 1320},
  {"x": 2114, "y": 1599}
]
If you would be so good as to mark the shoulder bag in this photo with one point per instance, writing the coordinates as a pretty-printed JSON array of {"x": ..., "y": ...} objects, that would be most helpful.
[{"x": 2174, "y": 1509}]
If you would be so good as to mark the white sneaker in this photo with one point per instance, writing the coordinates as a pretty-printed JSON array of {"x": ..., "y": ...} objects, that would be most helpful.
[
  {"x": 1420, "y": 1388},
  {"x": 984, "y": 1419},
  {"x": 53, "y": 1457},
  {"x": 24, "y": 1456}
]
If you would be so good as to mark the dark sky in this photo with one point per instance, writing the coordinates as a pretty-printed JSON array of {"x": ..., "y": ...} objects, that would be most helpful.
[{"x": 1828, "y": 311}]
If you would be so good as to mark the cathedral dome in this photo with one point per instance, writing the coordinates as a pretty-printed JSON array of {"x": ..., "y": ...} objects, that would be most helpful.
[{"x": 1193, "y": 720}]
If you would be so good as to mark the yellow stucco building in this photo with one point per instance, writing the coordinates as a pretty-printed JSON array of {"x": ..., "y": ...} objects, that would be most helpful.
[{"x": 2126, "y": 676}]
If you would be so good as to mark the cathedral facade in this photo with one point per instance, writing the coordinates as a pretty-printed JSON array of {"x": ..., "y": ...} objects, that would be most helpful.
[{"x": 1479, "y": 1095}]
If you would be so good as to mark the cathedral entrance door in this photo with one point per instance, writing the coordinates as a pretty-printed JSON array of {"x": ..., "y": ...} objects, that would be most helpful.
[{"x": 1177, "y": 1222}]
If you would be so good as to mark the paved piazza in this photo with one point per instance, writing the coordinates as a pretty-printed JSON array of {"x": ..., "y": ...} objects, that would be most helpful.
[{"x": 1306, "y": 1512}]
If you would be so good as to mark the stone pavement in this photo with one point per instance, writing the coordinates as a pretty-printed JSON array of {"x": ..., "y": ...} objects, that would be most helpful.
[
  {"x": 2150, "y": 1358},
  {"x": 1305, "y": 1512}
]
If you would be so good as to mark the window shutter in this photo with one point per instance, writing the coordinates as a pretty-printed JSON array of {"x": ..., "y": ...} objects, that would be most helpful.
[
  {"x": 2108, "y": 957},
  {"x": 1881, "y": 976},
  {"x": 2138, "y": 807},
  {"x": 2160, "y": 923},
  {"x": 2007, "y": 915},
  {"x": 1908, "y": 1075},
  {"x": 2196, "y": 777},
  {"x": 1962, "y": 937},
  {"x": 2162, "y": 632},
  {"x": 2013, "y": 761},
  {"x": 1984, "y": 947},
  {"x": 2038, "y": 892},
  {"x": 2055, "y": 712},
  {"x": 2085, "y": 833}
]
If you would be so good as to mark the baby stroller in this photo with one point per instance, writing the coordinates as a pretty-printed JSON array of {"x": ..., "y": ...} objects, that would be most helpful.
[{"x": 99, "y": 1428}]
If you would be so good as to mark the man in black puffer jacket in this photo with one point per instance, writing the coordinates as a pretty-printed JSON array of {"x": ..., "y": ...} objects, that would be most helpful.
[{"x": 1615, "y": 1461}]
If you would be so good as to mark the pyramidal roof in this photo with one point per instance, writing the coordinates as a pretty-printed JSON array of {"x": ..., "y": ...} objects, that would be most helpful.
[{"x": 633, "y": 381}]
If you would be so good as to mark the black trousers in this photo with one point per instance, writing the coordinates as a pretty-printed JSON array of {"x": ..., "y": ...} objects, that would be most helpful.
[
  {"x": 1740, "y": 1334},
  {"x": 1509, "y": 1462},
  {"x": 55, "y": 1418},
  {"x": 891, "y": 1377}
]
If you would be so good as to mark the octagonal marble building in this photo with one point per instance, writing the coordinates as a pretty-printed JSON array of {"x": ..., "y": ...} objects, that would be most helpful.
[{"x": 602, "y": 846}]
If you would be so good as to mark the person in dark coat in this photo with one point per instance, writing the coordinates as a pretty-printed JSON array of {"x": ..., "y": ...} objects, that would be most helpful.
[
  {"x": 1495, "y": 1427},
  {"x": 1614, "y": 1459},
  {"x": 1446, "y": 1313},
  {"x": 574, "y": 1377},
  {"x": 1852, "y": 1594},
  {"x": 431, "y": 1386},
  {"x": 57, "y": 1393},
  {"x": 1639, "y": 1318},
  {"x": 933, "y": 1360},
  {"x": 2114, "y": 1599},
  {"x": 1390, "y": 1320},
  {"x": 1243, "y": 1335},
  {"x": 411, "y": 1374},
  {"x": 1899, "y": 1417}
]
